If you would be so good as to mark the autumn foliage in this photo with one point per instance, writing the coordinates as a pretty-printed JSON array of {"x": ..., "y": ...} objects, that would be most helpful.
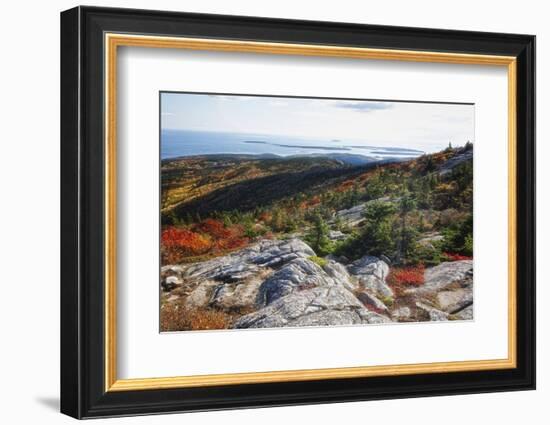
[
  {"x": 210, "y": 236},
  {"x": 179, "y": 318},
  {"x": 178, "y": 243},
  {"x": 407, "y": 276},
  {"x": 223, "y": 238},
  {"x": 347, "y": 185},
  {"x": 265, "y": 217},
  {"x": 450, "y": 256},
  {"x": 214, "y": 228},
  {"x": 312, "y": 202}
]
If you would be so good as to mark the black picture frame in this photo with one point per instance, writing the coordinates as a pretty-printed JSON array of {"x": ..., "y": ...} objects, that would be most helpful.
[{"x": 83, "y": 392}]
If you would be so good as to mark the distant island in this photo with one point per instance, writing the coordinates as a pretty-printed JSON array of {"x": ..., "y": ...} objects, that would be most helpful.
[
  {"x": 387, "y": 149},
  {"x": 374, "y": 149},
  {"x": 328, "y": 148}
]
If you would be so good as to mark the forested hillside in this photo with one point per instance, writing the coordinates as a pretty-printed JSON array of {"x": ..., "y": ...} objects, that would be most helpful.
[
  {"x": 252, "y": 241},
  {"x": 411, "y": 212}
]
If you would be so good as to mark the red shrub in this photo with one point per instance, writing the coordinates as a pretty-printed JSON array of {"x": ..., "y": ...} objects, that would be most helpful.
[
  {"x": 179, "y": 243},
  {"x": 207, "y": 237},
  {"x": 407, "y": 276},
  {"x": 224, "y": 238},
  {"x": 230, "y": 244},
  {"x": 450, "y": 256},
  {"x": 214, "y": 228}
]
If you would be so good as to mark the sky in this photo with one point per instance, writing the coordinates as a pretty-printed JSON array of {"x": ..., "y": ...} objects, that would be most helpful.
[{"x": 425, "y": 126}]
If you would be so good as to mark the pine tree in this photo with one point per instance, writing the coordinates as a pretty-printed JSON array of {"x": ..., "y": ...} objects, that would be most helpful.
[
  {"x": 318, "y": 237},
  {"x": 407, "y": 235}
]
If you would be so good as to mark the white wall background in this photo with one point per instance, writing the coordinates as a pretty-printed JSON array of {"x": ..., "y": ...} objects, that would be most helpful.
[{"x": 29, "y": 224}]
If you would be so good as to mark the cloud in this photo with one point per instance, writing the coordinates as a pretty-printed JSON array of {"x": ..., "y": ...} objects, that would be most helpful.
[
  {"x": 165, "y": 114},
  {"x": 364, "y": 106}
]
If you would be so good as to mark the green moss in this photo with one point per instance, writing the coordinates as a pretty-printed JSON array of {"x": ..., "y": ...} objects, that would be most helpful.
[
  {"x": 388, "y": 301},
  {"x": 318, "y": 260}
]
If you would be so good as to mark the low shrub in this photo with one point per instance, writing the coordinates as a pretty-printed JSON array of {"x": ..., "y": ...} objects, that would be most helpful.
[
  {"x": 214, "y": 228},
  {"x": 407, "y": 276},
  {"x": 429, "y": 255},
  {"x": 177, "y": 244},
  {"x": 210, "y": 236},
  {"x": 452, "y": 256},
  {"x": 175, "y": 317}
]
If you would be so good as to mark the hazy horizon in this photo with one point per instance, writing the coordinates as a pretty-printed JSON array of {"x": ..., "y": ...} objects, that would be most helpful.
[{"x": 333, "y": 124}]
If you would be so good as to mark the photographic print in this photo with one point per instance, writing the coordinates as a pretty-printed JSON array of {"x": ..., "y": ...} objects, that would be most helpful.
[
  {"x": 326, "y": 189},
  {"x": 296, "y": 212}
]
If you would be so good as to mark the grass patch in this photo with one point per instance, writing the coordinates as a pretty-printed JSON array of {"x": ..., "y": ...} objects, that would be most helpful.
[
  {"x": 176, "y": 317},
  {"x": 318, "y": 260}
]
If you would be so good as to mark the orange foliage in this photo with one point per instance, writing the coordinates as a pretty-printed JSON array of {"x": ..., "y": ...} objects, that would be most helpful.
[
  {"x": 233, "y": 239},
  {"x": 209, "y": 236},
  {"x": 179, "y": 318},
  {"x": 214, "y": 228},
  {"x": 364, "y": 177},
  {"x": 225, "y": 238},
  {"x": 316, "y": 200},
  {"x": 407, "y": 276},
  {"x": 177, "y": 243},
  {"x": 347, "y": 185},
  {"x": 265, "y": 217}
]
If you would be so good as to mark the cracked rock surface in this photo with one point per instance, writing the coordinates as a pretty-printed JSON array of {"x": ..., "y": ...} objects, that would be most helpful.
[
  {"x": 321, "y": 306},
  {"x": 276, "y": 283}
]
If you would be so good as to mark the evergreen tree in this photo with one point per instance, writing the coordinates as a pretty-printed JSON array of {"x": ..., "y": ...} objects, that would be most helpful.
[
  {"x": 375, "y": 237},
  {"x": 318, "y": 237},
  {"x": 407, "y": 235},
  {"x": 458, "y": 238},
  {"x": 374, "y": 188}
]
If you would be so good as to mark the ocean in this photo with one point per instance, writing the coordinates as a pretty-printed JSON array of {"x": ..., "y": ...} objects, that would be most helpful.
[{"x": 177, "y": 143}]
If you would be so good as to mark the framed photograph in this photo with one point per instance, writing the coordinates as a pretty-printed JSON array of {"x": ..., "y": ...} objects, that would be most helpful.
[{"x": 261, "y": 212}]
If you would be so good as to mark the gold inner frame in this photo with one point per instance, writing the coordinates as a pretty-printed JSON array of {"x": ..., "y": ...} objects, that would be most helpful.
[{"x": 113, "y": 41}]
